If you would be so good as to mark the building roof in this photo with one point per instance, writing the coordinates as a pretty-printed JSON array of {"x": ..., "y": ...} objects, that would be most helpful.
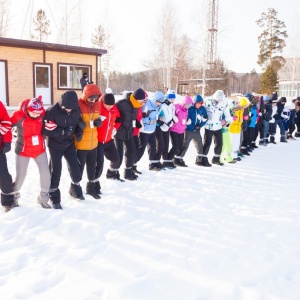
[{"x": 50, "y": 46}]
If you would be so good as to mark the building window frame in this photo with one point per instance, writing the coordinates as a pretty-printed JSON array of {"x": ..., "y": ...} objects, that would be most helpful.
[{"x": 68, "y": 75}]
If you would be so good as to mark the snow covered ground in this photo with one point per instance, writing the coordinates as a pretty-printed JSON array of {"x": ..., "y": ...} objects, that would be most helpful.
[{"x": 230, "y": 232}]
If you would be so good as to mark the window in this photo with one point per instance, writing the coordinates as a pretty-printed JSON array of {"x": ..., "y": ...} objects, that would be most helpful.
[{"x": 69, "y": 75}]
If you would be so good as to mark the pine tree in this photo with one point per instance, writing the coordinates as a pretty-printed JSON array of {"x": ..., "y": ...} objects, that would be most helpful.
[
  {"x": 41, "y": 26},
  {"x": 272, "y": 39},
  {"x": 268, "y": 81}
]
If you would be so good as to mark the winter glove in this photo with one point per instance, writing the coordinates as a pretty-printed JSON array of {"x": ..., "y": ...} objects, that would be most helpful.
[
  {"x": 5, "y": 148},
  {"x": 160, "y": 122},
  {"x": 98, "y": 122},
  {"x": 164, "y": 127},
  {"x": 152, "y": 122},
  {"x": 235, "y": 118},
  {"x": 245, "y": 118},
  {"x": 81, "y": 124},
  {"x": 199, "y": 117},
  {"x": 189, "y": 122},
  {"x": 138, "y": 124},
  {"x": 102, "y": 118},
  {"x": 78, "y": 136},
  {"x": 50, "y": 125},
  {"x": 175, "y": 119},
  {"x": 113, "y": 132}
]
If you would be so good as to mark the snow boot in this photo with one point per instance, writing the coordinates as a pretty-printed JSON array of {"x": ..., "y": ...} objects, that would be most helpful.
[
  {"x": 134, "y": 168},
  {"x": 54, "y": 195},
  {"x": 253, "y": 145},
  {"x": 129, "y": 174},
  {"x": 160, "y": 165},
  {"x": 91, "y": 189},
  {"x": 7, "y": 202},
  {"x": 245, "y": 151},
  {"x": 113, "y": 174},
  {"x": 205, "y": 162},
  {"x": 179, "y": 162},
  {"x": 297, "y": 134},
  {"x": 272, "y": 139},
  {"x": 154, "y": 167},
  {"x": 98, "y": 187},
  {"x": 76, "y": 191},
  {"x": 283, "y": 139},
  {"x": 216, "y": 161}
]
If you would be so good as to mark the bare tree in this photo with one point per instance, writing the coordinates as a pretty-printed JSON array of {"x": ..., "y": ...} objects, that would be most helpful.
[
  {"x": 101, "y": 40},
  {"x": 41, "y": 26},
  {"x": 4, "y": 13}
]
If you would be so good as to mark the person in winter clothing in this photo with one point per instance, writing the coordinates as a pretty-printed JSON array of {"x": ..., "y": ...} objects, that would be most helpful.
[
  {"x": 128, "y": 114},
  {"x": 61, "y": 123},
  {"x": 297, "y": 121},
  {"x": 245, "y": 147},
  {"x": 253, "y": 116},
  {"x": 236, "y": 126},
  {"x": 292, "y": 121},
  {"x": 84, "y": 80},
  {"x": 106, "y": 146},
  {"x": 166, "y": 119},
  {"x": 285, "y": 117},
  {"x": 218, "y": 116},
  {"x": 6, "y": 184},
  {"x": 28, "y": 120},
  {"x": 147, "y": 132},
  {"x": 266, "y": 116},
  {"x": 278, "y": 119},
  {"x": 87, "y": 144},
  {"x": 194, "y": 120},
  {"x": 272, "y": 122},
  {"x": 178, "y": 129},
  {"x": 136, "y": 132}
]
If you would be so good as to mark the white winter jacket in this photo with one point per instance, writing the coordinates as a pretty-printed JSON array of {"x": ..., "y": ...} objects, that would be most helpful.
[{"x": 215, "y": 111}]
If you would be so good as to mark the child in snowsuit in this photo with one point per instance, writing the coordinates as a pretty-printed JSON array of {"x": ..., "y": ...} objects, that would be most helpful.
[
  {"x": 196, "y": 119},
  {"x": 28, "y": 120}
]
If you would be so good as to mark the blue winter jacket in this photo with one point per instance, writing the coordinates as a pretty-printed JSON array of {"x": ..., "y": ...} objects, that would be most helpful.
[
  {"x": 253, "y": 116},
  {"x": 150, "y": 112},
  {"x": 193, "y": 112}
]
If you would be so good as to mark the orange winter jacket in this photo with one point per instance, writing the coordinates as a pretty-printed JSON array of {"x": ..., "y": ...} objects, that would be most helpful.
[{"x": 90, "y": 111}]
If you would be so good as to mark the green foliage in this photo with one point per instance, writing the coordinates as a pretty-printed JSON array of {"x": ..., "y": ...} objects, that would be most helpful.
[
  {"x": 41, "y": 26},
  {"x": 272, "y": 39},
  {"x": 268, "y": 81}
]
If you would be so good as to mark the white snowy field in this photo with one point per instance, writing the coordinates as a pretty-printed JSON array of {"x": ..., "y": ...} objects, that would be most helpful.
[{"x": 230, "y": 232}]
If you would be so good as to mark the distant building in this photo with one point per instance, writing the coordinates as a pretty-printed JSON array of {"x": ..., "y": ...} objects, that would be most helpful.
[
  {"x": 30, "y": 68},
  {"x": 289, "y": 79}
]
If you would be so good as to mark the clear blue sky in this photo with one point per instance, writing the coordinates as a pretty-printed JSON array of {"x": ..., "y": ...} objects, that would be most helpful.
[{"x": 132, "y": 25}]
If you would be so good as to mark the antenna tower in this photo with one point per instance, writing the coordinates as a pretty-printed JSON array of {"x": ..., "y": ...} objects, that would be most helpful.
[{"x": 212, "y": 27}]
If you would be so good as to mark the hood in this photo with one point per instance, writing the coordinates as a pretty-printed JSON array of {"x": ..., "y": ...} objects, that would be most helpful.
[{"x": 91, "y": 90}]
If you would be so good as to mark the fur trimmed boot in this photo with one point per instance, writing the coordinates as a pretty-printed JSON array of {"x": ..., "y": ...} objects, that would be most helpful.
[
  {"x": 76, "y": 191},
  {"x": 91, "y": 189}
]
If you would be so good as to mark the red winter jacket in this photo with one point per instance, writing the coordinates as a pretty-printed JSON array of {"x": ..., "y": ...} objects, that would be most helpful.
[
  {"x": 139, "y": 117},
  {"x": 105, "y": 132},
  {"x": 30, "y": 141},
  {"x": 5, "y": 126}
]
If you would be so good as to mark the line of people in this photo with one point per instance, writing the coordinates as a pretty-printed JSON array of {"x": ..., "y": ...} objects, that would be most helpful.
[{"x": 86, "y": 130}]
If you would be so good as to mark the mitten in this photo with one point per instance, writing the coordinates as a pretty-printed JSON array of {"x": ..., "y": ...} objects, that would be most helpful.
[
  {"x": 98, "y": 122},
  {"x": 235, "y": 118},
  {"x": 5, "y": 148},
  {"x": 138, "y": 124},
  {"x": 78, "y": 136},
  {"x": 189, "y": 122},
  {"x": 81, "y": 124},
  {"x": 50, "y": 125},
  {"x": 199, "y": 117},
  {"x": 175, "y": 119}
]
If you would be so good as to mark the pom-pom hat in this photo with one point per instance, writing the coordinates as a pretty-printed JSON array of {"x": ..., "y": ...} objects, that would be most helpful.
[
  {"x": 35, "y": 105},
  {"x": 108, "y": 97}
]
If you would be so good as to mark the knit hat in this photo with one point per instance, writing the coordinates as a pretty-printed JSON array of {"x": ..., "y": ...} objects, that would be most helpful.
[
  {"x": 35, "y": 105},
  {"x": 69, "y": 100},
  {"x": 170, "y": 94},
  {"x": 197, "y": 98},
  {"x": 282, "y": 99},
  {"x": 139, "y": 94},
  {"x": 266, "y": 98},
  {"x": 108, "y": 97}
]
